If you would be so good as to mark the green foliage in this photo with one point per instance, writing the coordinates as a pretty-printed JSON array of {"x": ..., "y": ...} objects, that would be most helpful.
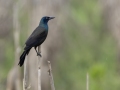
[
  {"x": 7, "y": 62},
  {"x": 88, "y": 47},
  {"x": 97, "y": 71}
]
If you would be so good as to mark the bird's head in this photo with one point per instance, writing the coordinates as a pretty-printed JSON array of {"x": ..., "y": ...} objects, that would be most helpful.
[{"x": 45, "y": 19}]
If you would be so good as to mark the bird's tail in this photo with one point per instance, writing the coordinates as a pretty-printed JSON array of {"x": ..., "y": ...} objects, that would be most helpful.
[{"x": 22, "y": 57}]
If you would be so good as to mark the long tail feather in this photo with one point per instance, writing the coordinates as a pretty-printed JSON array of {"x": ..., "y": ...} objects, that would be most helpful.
[{"x": 22, "y": 57}]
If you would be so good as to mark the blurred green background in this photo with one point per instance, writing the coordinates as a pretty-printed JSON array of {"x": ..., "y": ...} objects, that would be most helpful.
[{"x": 89, "y": 34}]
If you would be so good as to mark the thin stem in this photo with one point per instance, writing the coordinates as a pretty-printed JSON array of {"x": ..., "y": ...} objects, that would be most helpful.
[
  {"x": 87, "y": 81},
  {"x": 25, "y": 75},
  {"x": 39, "y": 69},
  {"x": 51, "y": 76}
]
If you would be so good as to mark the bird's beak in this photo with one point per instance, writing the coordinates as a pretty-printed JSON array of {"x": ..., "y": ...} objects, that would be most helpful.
[{"x": 51, "y": 18}]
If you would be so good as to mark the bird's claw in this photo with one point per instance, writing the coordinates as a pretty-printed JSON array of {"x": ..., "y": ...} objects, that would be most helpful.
[{"x": 39, "y": 54}]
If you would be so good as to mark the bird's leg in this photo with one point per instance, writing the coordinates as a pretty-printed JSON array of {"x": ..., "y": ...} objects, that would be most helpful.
[{"x": 38, "y": 53}]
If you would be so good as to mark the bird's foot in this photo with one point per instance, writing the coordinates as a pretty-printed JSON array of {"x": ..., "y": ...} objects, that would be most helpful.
[{"x": 39, "y": 54}]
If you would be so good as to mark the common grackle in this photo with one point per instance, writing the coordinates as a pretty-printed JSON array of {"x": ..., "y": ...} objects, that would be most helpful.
[{"x": 36, "y": 38}]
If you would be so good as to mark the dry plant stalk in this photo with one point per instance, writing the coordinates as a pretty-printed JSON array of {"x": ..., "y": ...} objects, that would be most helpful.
[
  {"x": 51, "y": 76},
  {"x": 87, "y": 81},
  {"x": 25, "y": 87},
  {"x": 39, "y": 69},
  {"x": 25, "y": 75},
  {"x": 39, "y": 79}
]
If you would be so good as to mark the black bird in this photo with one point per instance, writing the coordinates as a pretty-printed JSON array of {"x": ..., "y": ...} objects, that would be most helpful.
[{"x": 36, "y": 38}]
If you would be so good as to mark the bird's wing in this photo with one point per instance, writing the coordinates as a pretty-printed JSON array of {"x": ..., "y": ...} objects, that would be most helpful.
[{"x": 38, "y": 34}]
